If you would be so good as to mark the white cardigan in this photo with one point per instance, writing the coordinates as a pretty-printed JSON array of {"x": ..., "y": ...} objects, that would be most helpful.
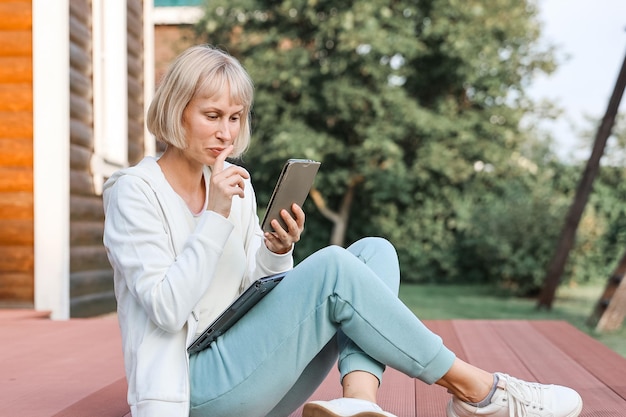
[{"x": 164, "y": 261}]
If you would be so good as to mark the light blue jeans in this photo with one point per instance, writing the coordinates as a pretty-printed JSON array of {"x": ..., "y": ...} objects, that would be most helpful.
[{"x": 336, "y": 305}]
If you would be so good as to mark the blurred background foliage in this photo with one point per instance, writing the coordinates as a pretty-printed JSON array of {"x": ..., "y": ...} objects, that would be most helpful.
[{"x": 414, "y": 110}]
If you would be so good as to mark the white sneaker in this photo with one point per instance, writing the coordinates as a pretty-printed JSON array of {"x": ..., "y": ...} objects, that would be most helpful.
[
  {"x": 517, "y": 398},
  {"x": 344, "y": 407}
]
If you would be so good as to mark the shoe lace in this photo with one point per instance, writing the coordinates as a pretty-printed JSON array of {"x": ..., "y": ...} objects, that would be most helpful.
[{"x": 523, "y": 396}]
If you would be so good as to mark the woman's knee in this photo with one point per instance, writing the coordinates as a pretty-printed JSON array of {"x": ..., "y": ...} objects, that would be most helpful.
[
  {"x": 370, "y": 246},
  {"x": 380, "y": 255},
  {"x": 377, "y": 253},
  {"x": 325, "y": 261},
  {"x": 363, "y": 248},
  {"x": 333, "y": 255}
]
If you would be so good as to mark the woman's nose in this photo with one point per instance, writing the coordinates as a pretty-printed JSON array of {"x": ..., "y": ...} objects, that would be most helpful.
[{"x": 223, "y": 132}]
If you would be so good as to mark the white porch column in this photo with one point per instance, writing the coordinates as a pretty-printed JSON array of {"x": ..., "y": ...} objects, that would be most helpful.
[{"x": 51, "y": 142}]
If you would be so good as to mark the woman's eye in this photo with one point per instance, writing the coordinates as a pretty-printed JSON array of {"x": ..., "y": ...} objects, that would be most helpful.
[{"x": 211, "y": 116}]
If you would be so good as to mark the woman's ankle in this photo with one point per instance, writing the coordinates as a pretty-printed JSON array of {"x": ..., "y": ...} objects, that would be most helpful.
[
  {"x": 467, "y": 382},
  {"x": 360, "y": 385}
]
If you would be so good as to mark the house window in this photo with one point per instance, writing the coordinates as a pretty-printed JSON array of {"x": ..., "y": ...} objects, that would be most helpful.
[{"x": 110, "y": 97}]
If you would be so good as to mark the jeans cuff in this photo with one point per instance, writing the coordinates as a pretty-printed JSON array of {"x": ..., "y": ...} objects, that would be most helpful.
[{"x": 360, "y": 362}]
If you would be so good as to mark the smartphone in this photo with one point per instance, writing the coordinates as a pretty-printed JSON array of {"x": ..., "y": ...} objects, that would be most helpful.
[{"x": 293, "y": 186}]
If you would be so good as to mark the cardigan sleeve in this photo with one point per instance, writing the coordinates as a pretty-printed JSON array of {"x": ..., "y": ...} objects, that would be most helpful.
[{"x": 167, "y": 284}]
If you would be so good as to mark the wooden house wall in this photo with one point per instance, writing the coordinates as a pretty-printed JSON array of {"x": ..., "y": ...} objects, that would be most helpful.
[
  {"x": 91, "y": 277},
  {"x": 169, "y": 41},
  {"x": 16, "y": 154},
  {"x": 136, "y": 86}
]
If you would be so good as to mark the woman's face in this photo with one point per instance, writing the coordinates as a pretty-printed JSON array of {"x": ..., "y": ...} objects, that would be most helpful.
[{"x": 211, "y": 124}]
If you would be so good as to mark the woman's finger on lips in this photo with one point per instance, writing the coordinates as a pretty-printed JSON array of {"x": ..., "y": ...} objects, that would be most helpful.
[{"x": 218, "y": 166}]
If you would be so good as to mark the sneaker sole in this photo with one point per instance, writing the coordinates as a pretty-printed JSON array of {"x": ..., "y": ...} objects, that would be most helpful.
[
  {"x": 316, "y": 410},
  {"x": 578, "y": 410},
  {"x": 450, "y": 412}
]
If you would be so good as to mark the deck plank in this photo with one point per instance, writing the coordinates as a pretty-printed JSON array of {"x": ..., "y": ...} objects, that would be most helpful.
[
  {"x": 608, "y": 366},
  {"x": 596, "y": 372},
  {"x": 105, "y": 402},
  {"x": 553, "y": 365},
  {"x": 75, "y": 367},
  {"x": 49, "y": 365}
]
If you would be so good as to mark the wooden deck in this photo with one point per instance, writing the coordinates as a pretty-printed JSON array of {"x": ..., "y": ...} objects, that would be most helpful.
[{"x": 74, "y": 368}]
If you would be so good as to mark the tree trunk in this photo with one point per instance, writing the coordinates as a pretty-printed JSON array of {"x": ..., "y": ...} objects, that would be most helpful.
[
  {"x": 610, "y": 309},
  {"x": 341, "y": 218},
  {"x": 613, "y": 317},
  {"x": 568, "y": 233}
]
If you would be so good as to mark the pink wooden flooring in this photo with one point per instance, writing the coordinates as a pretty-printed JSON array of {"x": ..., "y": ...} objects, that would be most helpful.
[{"x": 74, "y": 368}]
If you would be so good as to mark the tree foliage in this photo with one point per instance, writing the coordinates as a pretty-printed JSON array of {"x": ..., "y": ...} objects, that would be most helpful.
[{"x": 414, "y": 110}]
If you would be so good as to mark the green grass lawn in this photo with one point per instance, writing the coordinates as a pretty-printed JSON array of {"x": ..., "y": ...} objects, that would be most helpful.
[{"x": 573, "y": 304}]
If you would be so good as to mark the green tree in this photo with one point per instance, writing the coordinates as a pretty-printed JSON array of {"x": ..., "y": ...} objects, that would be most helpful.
[{"x": 406, "y": 104}]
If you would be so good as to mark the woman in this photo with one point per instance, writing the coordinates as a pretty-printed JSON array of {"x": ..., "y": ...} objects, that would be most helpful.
[{"x": 184, "y": 240}]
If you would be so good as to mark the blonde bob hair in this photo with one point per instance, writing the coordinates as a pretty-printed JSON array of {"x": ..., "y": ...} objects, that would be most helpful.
[{"x": 202, "y": 70}]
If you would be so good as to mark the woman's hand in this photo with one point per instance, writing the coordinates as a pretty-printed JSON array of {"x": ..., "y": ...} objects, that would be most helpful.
[
  {"x": 225, "y": 183},
  {"x": 280, "y": 240}
]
